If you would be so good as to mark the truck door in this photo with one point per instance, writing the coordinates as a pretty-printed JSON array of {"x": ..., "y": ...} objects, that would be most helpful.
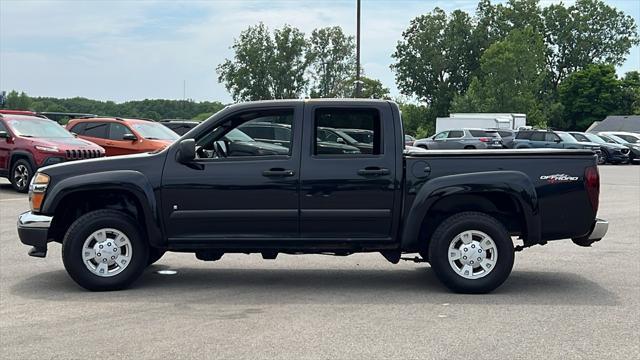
[
  {"x": 348, "y": 196},
  {"x": 239, "y": 195}
]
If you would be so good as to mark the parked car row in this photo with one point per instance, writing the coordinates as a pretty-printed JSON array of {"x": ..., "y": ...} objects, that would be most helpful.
[{"x": 611, "y": 147}]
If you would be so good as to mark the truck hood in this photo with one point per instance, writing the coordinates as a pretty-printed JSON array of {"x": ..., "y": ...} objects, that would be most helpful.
[{"x": 122, "y": 162}]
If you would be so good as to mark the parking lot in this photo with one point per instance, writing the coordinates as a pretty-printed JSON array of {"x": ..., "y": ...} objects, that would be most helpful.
[{"x": 561, "y": 301}]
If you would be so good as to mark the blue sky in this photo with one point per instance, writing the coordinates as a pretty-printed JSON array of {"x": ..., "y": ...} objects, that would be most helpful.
[{"x": 128, "y": 50}]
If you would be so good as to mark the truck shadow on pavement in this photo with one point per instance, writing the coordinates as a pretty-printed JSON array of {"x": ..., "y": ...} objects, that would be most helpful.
[{"x": 313, "y": 286}]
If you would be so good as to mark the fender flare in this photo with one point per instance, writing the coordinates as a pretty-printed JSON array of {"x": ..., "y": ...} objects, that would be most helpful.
[
  {"x": 513, "y": 183},
  {"x": 133, "y": 182},
  {"x": 21, "y": 153}
]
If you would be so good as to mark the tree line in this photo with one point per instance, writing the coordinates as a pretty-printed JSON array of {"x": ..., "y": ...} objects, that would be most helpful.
[
  {"x": 554, "y": 63},
  {"x": 155, "y": 109}
]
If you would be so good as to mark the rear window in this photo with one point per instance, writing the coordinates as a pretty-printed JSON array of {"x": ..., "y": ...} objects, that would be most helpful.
[
  {"x": 505, "y": 133},
  {"x": 524, "y": 135},
  {"x": 539, "y": 136},
  {"x": 483, "y": 133}
]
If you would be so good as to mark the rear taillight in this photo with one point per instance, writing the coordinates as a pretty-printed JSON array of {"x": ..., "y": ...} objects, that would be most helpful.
[
  {"x": 592, "y": 183},
  {"x": 484, "y": 139}
]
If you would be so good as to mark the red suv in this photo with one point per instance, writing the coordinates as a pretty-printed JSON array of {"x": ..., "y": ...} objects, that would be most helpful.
[
  {"x": 29, "y": 141},
  {"x": 123, "y": 136}
]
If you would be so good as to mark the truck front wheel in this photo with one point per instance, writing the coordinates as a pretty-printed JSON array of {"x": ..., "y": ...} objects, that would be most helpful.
[
  {"x": 471, "y": 253},
  {"x": 104, "y": 250}
]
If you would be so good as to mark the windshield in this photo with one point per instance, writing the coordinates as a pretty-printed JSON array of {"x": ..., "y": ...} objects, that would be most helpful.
[
  {"x": 39, "y": 128},
  {"x": 594, "y": 138},
  {"x": 153, "y": 131},
  {"x": 365, "y": 137},
  {"x": 237, "y": 135},
  {"x": 617, "y": 139},
  {"x": 566, "y": 137},
  {"x": 345, "y": 136},
  {"x": 606, "y": 139},
  {"x": 628, "y": 138}
]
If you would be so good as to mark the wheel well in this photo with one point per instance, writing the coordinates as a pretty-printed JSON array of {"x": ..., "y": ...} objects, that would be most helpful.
[
  {"x": 19, "y": 156},
  {"x": 76, "y": 204},
  {"x": 503, "y": 207}
]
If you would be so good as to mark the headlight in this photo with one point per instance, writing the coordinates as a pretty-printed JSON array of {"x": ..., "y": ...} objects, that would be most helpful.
[
  {"x": 37, "y": 190},
  {"x": 51, "y": 149}
]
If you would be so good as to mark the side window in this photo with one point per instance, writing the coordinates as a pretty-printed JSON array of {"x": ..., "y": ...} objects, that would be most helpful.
[
  {"x": 524, "y": 135},
  {"x": 551, "y": 137},
  {"x": 329, "y": 124},
  {"x": 580, "y": 137},
  {"x": 505, "y": 133},
  {"x": 454, "y": 134},
  {"x": 117, "y": 131},
  {"x": 282, "y": 133},
  {"x": 78, "y": 128},
  {"x": 537, "y": 136},
  {"x": 96, "y": 130},
  {"x": 241, "y": 136},
  {"x": 2, "y": 127},
  {"x": 441, "y": 135}
]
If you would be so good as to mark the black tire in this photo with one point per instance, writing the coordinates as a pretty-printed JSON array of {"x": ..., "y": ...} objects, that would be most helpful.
[
  {"x": 469, "y": 147},
  {"x": 439, "y": 252},
  {"x": 155, "y": 254},
  {"x": 423, "y": 147},
  {"x": 82, "y": 228},
  {"x": 21, "y": 183}
]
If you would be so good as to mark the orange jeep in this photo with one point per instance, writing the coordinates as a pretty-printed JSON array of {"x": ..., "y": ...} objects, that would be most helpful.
[{"x": 120, "y": 136}]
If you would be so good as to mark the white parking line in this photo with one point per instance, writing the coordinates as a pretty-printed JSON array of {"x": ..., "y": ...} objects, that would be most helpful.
[{"x": 13, "y": 199}]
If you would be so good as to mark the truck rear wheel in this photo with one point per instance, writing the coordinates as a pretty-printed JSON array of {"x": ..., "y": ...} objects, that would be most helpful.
[
  {"x": 104, "y": 250},
  {"x": 471, "y": 253}
]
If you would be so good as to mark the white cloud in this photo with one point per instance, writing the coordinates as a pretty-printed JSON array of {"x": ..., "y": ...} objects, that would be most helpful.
[{"x": 122, "y": 50}]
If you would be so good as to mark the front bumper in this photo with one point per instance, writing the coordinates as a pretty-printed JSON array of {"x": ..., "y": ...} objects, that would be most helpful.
[{"x": 33, "y": 230}]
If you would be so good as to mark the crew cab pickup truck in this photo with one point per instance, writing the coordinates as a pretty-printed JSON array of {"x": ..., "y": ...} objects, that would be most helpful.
[{"x": 464, "y": 212}]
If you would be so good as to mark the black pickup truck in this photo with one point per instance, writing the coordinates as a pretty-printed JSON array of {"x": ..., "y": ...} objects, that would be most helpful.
[{"x": 464, "y": 212}]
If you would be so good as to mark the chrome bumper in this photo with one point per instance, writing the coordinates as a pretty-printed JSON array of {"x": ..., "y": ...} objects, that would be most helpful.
[
  {"x": 33, "y": 230},
  {"x": 30, "y": 220},
  {"x": 599, "y": 229}
]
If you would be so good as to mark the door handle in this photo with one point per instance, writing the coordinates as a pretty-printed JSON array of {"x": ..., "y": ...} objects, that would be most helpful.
[
  {"x": 373, "y": 172},
  {"x": 278, "y": 173}
]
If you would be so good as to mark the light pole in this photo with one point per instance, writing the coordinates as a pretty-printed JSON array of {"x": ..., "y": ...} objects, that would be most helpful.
[{"x": 358, "y": 85}]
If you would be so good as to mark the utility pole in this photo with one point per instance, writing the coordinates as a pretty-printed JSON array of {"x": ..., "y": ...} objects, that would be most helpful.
[{"x": 358, "y": 84}]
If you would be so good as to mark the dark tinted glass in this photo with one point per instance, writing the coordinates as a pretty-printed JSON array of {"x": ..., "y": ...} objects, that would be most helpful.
[
  {"x": 524, "y": 135},
  {"x": 96, "y": 129},
  {"x": 78, "y": 128},
  {"x": 538, "y": 136},
  {"x": 453, "y": 134},
  {"x": 117, "y": 131},
  {"x": 331, "y": 139},
  {"x": 505, "y": 133}
]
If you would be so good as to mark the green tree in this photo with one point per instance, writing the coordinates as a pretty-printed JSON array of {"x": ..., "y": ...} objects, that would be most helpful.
[
  {"x": 417, "y": 120},
  {"x": 18, "y": 101},
  {"x": 370, "y": 88},
  {"x": 587, "y": 32},
  {"x": 591, "y": 95},
  {"x": 265, "y": 66},
  {"x": 630, "y": 102},
  {"x": 510, "y": 78},
  {"x": 436, "y": 58},
  {"x": 331, "y": 56}
]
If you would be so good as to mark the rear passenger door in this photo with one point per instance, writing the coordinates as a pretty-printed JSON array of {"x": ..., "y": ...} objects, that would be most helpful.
[
  {"x": 348, "y": 196},
  {"x": 97, "y": 132},
  {"x": 538, "y": 140}
]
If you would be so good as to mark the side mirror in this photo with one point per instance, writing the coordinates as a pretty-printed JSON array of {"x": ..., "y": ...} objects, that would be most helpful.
[
  {"x": 186, "y": 150},
  {"x": 4, "y": 135},
  {"x": 74, "y": 134},
  {"x": 130, "y": 137},
  {"x": 558, "y": 140}
]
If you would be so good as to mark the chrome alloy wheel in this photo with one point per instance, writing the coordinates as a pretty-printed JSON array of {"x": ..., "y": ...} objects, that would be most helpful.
[
  {"x": 107, "y": 252},
  {"x": 473, "y": 254},
  {"x": 21, "y": 176}
]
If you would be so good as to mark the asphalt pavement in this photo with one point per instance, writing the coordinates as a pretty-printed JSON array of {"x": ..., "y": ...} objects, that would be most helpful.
[{"x": 561, "y": 302}]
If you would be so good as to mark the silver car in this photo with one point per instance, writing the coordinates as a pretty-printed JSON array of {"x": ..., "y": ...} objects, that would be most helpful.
[{"x": 462, "y": 139}]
